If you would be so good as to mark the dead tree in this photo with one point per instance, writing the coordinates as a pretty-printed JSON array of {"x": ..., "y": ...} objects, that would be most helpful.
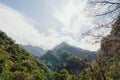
[{"x": 111, "y": 10}]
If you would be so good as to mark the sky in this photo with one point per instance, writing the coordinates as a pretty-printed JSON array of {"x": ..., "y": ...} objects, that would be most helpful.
[{"x": 46, "y": 23}]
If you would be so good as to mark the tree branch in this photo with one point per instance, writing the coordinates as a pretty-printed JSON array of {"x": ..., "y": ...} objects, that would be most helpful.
[{"x": 108, "y": 2}]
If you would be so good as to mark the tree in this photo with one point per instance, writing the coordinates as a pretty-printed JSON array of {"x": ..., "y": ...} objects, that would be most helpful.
[
  {"x": 106, "y": 13},
  {"x": 112, "y": 7},
  {"x": 62, "y": 75},
  {"x": 40, "y": 75}
]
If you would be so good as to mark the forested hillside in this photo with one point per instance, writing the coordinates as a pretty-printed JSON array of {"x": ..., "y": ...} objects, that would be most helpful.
[
  {"x": 16, "y": 63},
  {"x": 65, "y": 56},
  {"x": 64, "y": 60},
  {"x": 76, "y": 51}
]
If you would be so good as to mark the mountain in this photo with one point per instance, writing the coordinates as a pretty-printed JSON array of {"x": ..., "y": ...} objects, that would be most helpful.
[
  {"x": 65, "y": 56},
  {"x": 37, "y": 51},
  {"x": 64, "y": 60},
  {"x": 51, "y": 59},
  {"x": 16, "y": 63},
  {"x": 76, "y": 51}
]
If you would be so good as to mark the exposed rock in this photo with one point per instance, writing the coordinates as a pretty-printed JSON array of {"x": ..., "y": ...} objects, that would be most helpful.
[{"x": 111, "y": 43}]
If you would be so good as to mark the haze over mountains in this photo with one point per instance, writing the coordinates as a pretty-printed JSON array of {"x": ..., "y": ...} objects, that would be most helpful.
[
  {"x": 76, "y": 51},
  {"x": 63, "y": 46},
  {"x": 36, "y": 51},
  {"x": 63, "y": 56}
]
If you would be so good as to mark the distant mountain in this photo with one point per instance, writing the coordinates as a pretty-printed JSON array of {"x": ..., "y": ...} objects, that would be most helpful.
[
  {"x": 51, "y": 59},
  {"x": 76, "y": 51},
  {"x": 66, "y": 56},
  {"x": 37, "y": 51},
  {"x": 64, "y": 60}
]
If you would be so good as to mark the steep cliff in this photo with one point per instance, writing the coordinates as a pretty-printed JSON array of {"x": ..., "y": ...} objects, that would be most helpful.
[
  {"x": 111, "y": 43},
  {"x": 107, "y": 64}
]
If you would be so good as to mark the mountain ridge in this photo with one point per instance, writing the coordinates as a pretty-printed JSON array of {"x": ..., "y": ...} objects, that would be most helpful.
[
  {"x": 64, "y": 46},
  {"x": 36, "y": 51}
]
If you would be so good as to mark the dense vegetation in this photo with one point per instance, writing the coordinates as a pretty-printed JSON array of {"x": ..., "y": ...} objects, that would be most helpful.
[
  {"x": 64, "y": 60},
  {"x": 16, "y": 63}
]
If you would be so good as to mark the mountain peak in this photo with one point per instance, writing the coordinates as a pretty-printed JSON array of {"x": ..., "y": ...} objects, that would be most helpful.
[{"x": 62, "y": 44}]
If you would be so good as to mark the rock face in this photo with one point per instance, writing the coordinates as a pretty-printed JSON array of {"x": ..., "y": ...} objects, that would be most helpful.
[{"x": 111, "y": 43}]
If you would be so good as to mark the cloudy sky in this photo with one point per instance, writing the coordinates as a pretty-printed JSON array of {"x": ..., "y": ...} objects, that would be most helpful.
[{"x": 46, "y": 23}]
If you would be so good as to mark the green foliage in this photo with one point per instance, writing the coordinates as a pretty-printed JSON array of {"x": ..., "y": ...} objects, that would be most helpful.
[
  {"x": 57, "y": 62},
  {"x": 104, "y": 68},
  {"x": 63, "y": 75},
  {"x": 51, "y": 60},
  {"x": 39, "y": 75},
  {"x": 114, "y": 72},
  {"x": 16, "y": 63},
  {"x": 1, "y": 78}
]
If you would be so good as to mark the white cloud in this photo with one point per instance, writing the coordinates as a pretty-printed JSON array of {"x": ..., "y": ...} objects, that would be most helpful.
[
  {"x": 75, "y": 21},
  {"x": 17, "y": 25},
  {"x": 72, "y": 16},
  {"x": 21, "y": 28}
]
